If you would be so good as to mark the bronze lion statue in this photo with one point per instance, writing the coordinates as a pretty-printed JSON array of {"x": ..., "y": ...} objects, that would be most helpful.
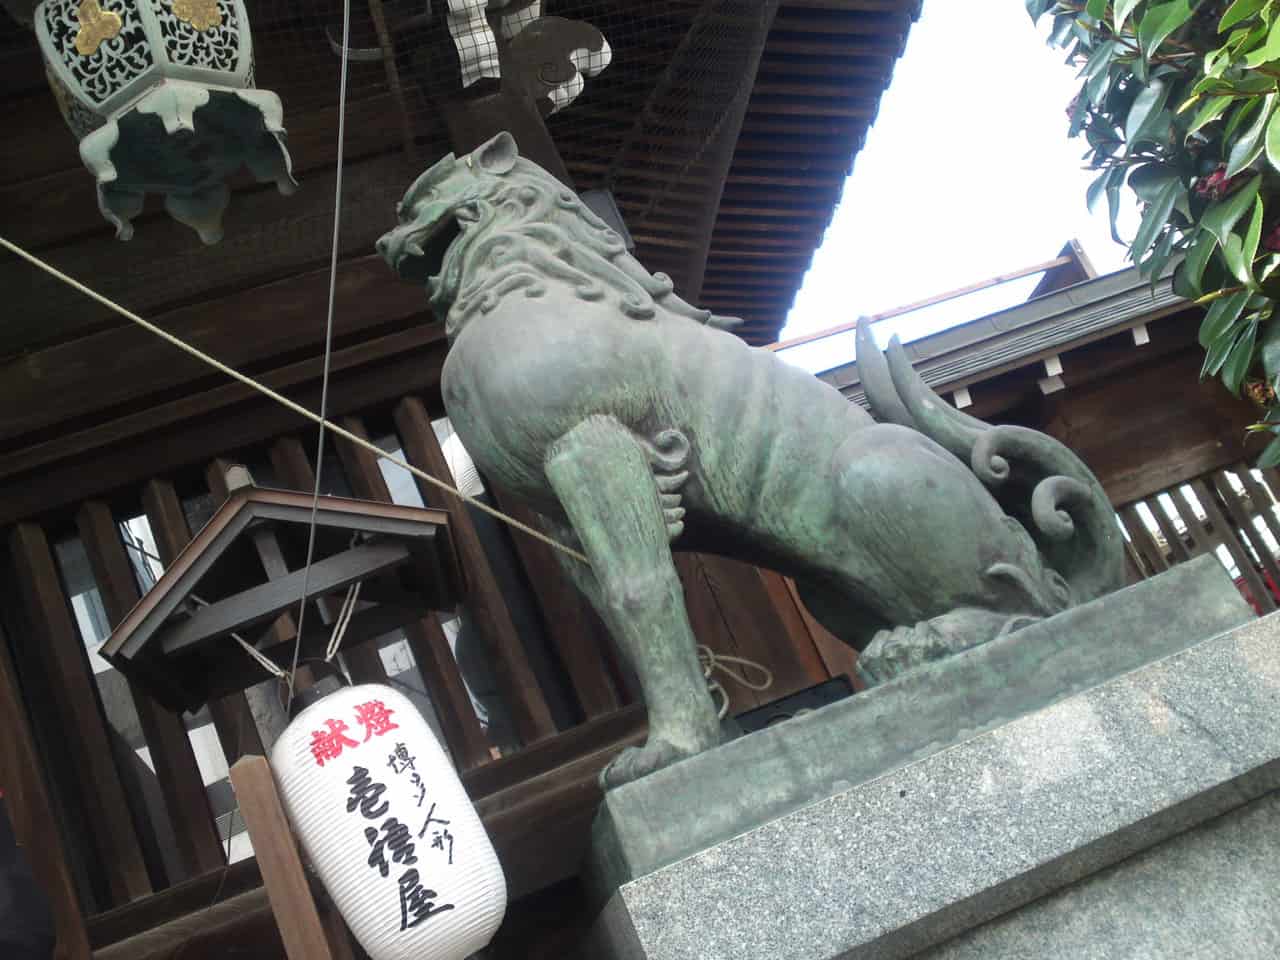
[{"x": 634, "y": 423}]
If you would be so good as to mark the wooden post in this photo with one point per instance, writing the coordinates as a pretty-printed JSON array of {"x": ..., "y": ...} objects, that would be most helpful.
[
  {"x": 293, "y": 468},
  {"x": 27, "y": 800},
  {"x": 306, "y": 936},
  {"x": 426, "y": 638},
  {"x": 166, "y": 734},
  {"x": 282, "y": 629},
  {"x": 76, "y": 703},
  {"x": 232, "y": 718}
]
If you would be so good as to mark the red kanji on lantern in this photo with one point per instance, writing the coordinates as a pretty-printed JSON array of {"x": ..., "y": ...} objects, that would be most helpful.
[
  {"x": 376, "y": 719},
  {"x": 328, "y": 745}
]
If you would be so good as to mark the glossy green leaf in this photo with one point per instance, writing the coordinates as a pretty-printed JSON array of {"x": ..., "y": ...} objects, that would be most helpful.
[
  {"x": 1238, "y": 11},
  {"x": 1222, "y": 216},
  {"x": 1095, "y": 88},
  {"x": 1096, "y": 8},
  {"x": 1252, "y": 235},
  {"x": 1189, "y": 276},
  {"x": 1233, "y": 254},
  {"x": 1096, "y": 189},
  {"x": 1210, "y": 111},
  {"x": 1113, "y": 210},
  {"x": 1270, "y": 455},
  {"x": 1240, "y": 358},
  {"x": 1148, "y": 179},
  {"x": 1239, "y": 115},
  {"x": 1038, "y": 8},
  {"x": 1154, "y": 265},
  {"x": 1159, "y": 22},
  {"x": 1121, "y": 12},
  {"x": 1270, "y": 50},
  {"x": 1273, "y": 140},
  {"x": 1145, "y": 111},
  {"x": 1154, "y": 218},
  {"x": 1221, "y": 348},
  {"x": 1221, "y": 316},
  {"x": 1269, "y": 349},
  {"x": 1249, "y": 147},
  {"x": 1099, "y": 60}
]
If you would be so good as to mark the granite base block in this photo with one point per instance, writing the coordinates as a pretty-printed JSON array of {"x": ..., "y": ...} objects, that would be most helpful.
[
  {"x": 1137, "y": 746},
  {"x": 715, "y": 796},
  {"x": 1212, "y": 893}
]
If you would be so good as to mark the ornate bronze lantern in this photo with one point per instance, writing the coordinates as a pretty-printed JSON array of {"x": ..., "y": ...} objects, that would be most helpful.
[{"x": 160, "y": 94}]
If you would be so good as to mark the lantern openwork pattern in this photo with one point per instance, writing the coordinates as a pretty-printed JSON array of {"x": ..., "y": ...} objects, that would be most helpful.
[
  {"x": 160, "y": 94},
  {"x": 380, "y": 812}
]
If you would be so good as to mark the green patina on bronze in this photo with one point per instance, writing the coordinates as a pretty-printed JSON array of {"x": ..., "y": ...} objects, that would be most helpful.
[{"x": 633, "y": 422}]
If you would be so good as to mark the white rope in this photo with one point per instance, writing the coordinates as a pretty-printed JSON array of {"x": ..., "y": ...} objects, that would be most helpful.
[
  {"x": 264, "y": 661},
  {"x": 344, "y": 618},
  {"x": 712, "y": 661},
  {"x": 328, "y": 345},
  {"x": 297, "y": 408}
]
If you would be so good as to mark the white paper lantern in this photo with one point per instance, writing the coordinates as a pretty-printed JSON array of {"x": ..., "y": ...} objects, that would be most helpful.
[{"x": 377, "y": 806}]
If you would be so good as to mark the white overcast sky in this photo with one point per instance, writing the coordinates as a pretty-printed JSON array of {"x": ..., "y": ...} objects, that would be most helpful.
[{"x": 967, "y": 173}]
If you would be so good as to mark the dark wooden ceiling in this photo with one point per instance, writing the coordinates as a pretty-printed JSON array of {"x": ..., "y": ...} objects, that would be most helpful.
[{"x": 823, "y": 69}]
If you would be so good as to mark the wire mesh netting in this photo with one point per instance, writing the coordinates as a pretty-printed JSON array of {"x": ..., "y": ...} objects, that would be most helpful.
[{"x": 656, "y": 127}]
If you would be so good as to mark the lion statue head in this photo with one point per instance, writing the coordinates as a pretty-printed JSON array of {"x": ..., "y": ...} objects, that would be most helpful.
[{"x": 476, "y": 229}]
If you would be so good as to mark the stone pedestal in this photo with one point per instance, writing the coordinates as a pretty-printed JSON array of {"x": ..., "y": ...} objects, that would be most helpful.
[{"x": 952, "y": 810}]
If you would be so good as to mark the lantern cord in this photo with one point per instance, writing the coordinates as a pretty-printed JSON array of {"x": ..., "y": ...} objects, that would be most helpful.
[
  {"x": 712, "y": 661},
  {"x": 328, "y": 346},
  {"x": 297, "y": 408},
  {"x": 344, "y": 618}
]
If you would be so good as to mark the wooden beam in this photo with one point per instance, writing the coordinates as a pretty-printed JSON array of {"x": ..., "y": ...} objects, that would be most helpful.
[
  {"x": 232, "y": 718},
  {"x": 259, "y": 604},
  {"x": 167, "y": 265},
  {"x": 26, "y": 799},
  {"x": 102, "y": 370},
  {"x": 61, "y": 648},
  {"x": 171, "y": 435},
  {"x": 165, "y": 733}
]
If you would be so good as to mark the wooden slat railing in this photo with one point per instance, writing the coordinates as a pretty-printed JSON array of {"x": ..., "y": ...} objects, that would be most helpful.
[
  {"x": 99, "y": 796},
  {"x": 1234, "y": 520},
  {"x": 166, "y": 735},
  {"x": 29, "y": 808}
]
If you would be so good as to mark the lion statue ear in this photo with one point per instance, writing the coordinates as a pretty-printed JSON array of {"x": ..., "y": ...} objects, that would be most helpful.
[{"x": 498, "y": 155}]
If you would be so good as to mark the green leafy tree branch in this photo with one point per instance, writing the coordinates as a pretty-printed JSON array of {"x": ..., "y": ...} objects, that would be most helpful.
[{"x": 1180, "y": 102}]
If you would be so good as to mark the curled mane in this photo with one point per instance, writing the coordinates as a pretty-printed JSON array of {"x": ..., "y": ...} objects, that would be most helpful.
[{"x": 532, "y": 231}]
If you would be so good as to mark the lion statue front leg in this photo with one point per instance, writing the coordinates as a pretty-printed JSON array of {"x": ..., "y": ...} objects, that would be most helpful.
[{"x": 604, "y": 483}]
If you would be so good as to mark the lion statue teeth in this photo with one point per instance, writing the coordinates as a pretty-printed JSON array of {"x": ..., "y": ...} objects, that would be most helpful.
[{"x": 634, "y": 423}]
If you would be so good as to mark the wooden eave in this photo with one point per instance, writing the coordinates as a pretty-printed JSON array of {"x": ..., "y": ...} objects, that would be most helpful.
[
  {"x": 404, "y": 534},
  {"x": 1029, "y": 333},
  {"x": 824, "y": 67}
]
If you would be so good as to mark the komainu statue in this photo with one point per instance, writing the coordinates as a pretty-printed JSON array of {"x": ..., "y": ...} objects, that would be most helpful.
[{"x": 633, "y": 422}]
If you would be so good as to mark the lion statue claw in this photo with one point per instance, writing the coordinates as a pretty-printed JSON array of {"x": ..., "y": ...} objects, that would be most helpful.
[{"x": 634, "y": 423}]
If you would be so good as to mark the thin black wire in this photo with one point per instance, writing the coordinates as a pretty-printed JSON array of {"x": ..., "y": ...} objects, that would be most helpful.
[{"x": 328, "y": 348}]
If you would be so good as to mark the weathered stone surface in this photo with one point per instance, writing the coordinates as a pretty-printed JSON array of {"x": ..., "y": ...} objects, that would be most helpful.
[
  {"x": 1212, "y": 893},
  {"x": 941, "y": 845},
  {"x": 717, "y": 795}
]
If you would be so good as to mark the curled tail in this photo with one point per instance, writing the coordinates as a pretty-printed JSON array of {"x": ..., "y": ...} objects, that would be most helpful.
[{"x": 1035, "y": 479}]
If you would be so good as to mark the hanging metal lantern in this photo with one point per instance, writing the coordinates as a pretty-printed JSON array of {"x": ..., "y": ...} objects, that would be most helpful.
[
  {"x": 382, "y": 815},
  {"x": 160, "y": 94}
]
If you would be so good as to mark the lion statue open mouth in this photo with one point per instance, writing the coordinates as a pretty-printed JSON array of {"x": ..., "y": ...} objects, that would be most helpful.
[{"x": 634, "y": 423}]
